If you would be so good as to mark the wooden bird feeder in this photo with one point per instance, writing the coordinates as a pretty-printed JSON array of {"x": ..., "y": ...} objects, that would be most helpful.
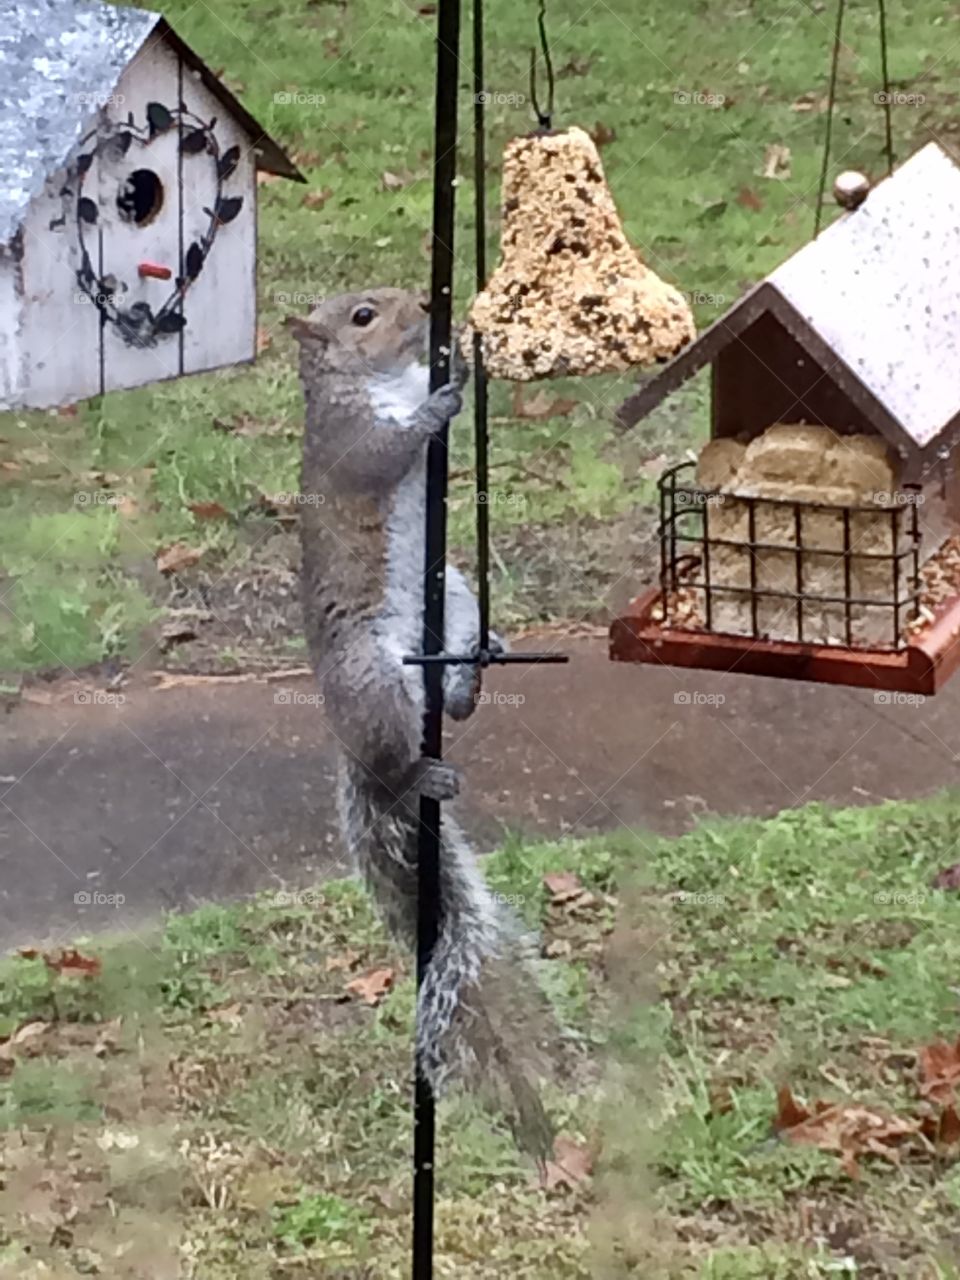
[
  {"x": 128, "y": 189},
  {"x": 817, "y": 535}
]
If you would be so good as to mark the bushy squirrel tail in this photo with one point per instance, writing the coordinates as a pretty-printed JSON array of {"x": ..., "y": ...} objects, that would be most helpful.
[{"x": 484, "y": 1020}]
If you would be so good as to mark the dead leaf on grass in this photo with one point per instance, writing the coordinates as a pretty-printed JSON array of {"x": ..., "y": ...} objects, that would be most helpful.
[
  {"x": 557, "y": 949},
  {"x": 208, "y": 510},
  {"x": 69, "y": 960},
  {"x": 307, "y": 159},
  {"x": 231, "y": 1014},
  {"x": 108, "y": 1039},
  {"x": 576, "y": 66},
  {"x": 570, "y": 1168},
  {"x": 948, "y": 878},
  {"x": 540, "y": 405},
  {"x": 942, "y": 1129},
  {"x": 809, "y": 101},
  {"x": 939, "y": 1065},
  {"x": 776, "y": 162},
  {"x": 344, "y": 962},
  {"x": 22, "y": 1036},
  {"x": 846, "y": 1129},
  {"x": 602, "y": 134},
  {"x": 373, "y": 986},
  {"x": 396, "y": 181},
  {"x": 176, "y": 558},
  {"x": 317, "y": 199},
  {"x": 563, "y": 885},
  {"x": 748, "y": 199}
]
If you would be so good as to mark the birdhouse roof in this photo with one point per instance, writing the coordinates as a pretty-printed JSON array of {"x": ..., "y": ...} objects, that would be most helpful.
[
  {"x": 58, "y": 60},
  {"x": 875, "y": 300}
]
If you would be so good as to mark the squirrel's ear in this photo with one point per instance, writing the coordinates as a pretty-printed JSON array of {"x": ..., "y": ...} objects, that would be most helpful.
[{"x": 301, "y": 328}]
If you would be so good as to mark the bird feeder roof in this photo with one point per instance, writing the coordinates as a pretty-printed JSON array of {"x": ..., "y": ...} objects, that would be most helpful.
[
  {"x": 875, "y": 300},
  {"x": 59, "y": 59}
]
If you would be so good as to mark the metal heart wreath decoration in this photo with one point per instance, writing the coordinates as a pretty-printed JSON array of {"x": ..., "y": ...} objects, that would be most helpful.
[{"x": 139, "y": 325}]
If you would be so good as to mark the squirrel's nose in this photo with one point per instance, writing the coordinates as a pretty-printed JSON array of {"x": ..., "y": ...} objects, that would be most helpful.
[{"x": 425, "y": 303}]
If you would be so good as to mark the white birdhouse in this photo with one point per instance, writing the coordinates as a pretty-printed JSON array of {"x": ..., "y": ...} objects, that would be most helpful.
[{"x": 128, "y": 186}]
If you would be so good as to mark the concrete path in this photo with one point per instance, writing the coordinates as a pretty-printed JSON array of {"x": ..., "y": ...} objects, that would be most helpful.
[{"x": 188, "y": 794}]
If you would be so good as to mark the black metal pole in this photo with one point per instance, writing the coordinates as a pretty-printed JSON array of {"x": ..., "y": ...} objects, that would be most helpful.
[
  {"x": 441, "y": 316},
  {"x": 480, "y": 429}
]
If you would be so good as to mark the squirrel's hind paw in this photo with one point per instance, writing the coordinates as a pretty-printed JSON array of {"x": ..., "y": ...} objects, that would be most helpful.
[{"x": 434, "y": 778}]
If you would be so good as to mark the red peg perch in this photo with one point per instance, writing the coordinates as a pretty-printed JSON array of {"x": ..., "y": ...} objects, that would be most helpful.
[{"x": 151, "y": 270}]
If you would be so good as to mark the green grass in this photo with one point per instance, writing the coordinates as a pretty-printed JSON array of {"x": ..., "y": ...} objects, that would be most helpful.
[
  {"x": 77, "y": 574},
  {"x": 209, "y": 1101}
]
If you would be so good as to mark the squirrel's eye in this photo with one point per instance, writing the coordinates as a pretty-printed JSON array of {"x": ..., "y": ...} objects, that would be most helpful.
[{"x": 363, "y": 316}]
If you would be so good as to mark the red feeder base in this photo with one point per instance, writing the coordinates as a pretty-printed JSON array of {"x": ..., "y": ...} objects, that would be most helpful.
[{"x": 924, "y": 666}]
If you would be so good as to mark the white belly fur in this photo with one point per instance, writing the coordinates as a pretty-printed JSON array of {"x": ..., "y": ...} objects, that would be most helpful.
[
  {"x": 401, "y": 620},
  {"x": 399, "y": 396}
]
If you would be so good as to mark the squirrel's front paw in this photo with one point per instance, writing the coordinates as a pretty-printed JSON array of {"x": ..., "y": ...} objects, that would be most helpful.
[
  {"x": 442, "y": 405},
  {"x": 435, "y": 779}
]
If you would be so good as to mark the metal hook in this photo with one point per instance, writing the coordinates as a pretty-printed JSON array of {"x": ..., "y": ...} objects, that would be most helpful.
[{"x": 544, "y": 118}]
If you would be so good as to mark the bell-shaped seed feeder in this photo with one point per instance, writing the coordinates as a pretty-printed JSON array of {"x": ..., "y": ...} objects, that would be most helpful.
[{"x": 571, "y": 296}]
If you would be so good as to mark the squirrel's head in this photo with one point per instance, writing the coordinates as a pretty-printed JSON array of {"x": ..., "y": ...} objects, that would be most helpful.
[{"x": 379, "y": 331}]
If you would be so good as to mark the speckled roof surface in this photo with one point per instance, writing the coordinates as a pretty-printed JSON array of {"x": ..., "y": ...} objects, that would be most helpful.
[
  {"x": 875, "y": 299},
  {"x": 882, "y": 288},
  {"x": 58, "y": 60}
]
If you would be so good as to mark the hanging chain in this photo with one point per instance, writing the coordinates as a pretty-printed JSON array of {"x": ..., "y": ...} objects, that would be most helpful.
[
  {"x": 832, "y": 99},
  {"x": 544, "y": 118}
]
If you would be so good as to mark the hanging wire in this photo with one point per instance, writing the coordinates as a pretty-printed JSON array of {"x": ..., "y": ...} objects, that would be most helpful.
[
  {"x": 832, "y": 97},
  {"x": 544, "y": 118},
  {"x": 887, "y": 104},
  {"x": 831, "y": 101}
]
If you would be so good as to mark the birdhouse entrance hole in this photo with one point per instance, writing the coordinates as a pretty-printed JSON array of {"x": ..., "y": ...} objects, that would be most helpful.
[{"x": 140, "y": 198}]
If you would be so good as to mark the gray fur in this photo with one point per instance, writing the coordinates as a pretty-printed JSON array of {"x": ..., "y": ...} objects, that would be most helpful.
[{"x": 362, "y": 532}]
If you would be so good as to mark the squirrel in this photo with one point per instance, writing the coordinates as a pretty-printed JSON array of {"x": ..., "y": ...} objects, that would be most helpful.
[{"x": 369, "y": 419}]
